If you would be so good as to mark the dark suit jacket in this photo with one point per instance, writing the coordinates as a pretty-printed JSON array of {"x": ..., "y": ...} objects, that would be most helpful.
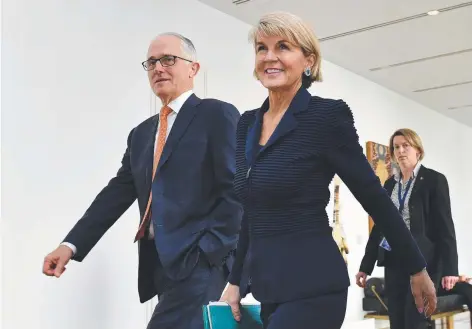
[
  {"x": 286, "y": 245},
  {"x": 430, "y": 223},
  {"x": 194, "y": 207}
]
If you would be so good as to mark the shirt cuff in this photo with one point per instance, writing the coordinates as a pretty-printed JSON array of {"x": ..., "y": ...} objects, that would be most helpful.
[{"x": 71, "y": 246}]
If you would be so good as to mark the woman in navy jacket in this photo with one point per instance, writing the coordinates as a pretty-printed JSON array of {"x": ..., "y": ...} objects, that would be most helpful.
[{"x": 287, "y": 153}]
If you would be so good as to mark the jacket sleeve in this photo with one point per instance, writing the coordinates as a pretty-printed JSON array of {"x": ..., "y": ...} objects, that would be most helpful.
[
  {"x": 243, "y": 243},
  {"x": 372, "y": 248},
  {"x": 349, "y": 162},
  {"x": 445, "y": 235},
  {"x": 371, "y": 251},
  {"x": 113, "y": 200},
  {"x": 241, "y": 251},
  {"x": 225, "y": 217}
]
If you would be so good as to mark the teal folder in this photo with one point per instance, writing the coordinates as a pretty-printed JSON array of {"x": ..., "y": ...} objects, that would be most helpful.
[{"x": 217, "y": 315}]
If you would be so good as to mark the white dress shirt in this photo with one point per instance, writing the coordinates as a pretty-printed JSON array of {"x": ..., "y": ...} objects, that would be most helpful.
[{"x": 175, "y": 105}]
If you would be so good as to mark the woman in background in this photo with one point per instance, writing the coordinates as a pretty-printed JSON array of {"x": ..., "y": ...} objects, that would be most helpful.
[
  {"x": 463, "y": 287},
  {"x": 422, "y": 197},
  {"x": 287, "y": 152}
]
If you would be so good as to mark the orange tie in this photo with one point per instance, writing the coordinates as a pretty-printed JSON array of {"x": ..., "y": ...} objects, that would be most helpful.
[{"x": 161, "y": 140}]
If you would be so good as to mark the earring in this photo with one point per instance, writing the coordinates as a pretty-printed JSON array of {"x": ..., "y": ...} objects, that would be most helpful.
[{"x": 307, "y": 72}]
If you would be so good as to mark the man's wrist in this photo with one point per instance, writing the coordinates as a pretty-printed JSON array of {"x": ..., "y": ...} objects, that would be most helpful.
[{"x": 70, "y": 246}]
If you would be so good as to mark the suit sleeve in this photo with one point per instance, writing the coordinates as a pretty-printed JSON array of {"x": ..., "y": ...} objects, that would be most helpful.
[
  {"x": 113, "y": 200},
  {"x": 225, "y": 217},
  {"x": 445, "y": 234},
  {"x": 243, "y": 242},
  {"x": 349, "y": 162},
  {"x": 371, "y": 251},
  {"x": 372, "y": 248},
  {"x": 241, "y": 251}
]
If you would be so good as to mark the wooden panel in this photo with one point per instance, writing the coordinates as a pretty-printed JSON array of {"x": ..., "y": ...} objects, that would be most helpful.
[{"x": 379, "y": 158}]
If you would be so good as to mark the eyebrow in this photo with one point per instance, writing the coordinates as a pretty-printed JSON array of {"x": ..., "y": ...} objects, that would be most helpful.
[
  {"x": 278, "y": 42},
  {"x": 163, "y": 55}
]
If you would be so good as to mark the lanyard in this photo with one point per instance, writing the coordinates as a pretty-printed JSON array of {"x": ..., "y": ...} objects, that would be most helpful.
[{"x": 401, "y": 200}]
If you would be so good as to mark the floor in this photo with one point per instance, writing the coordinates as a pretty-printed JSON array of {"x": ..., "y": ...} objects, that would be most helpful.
[{"x": 461, "y": 321}]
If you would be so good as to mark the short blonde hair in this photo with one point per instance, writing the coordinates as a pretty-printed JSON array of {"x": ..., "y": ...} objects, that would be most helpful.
[
  {"x": 411, "y": 137},
  {"x": 296, "y": 31}
]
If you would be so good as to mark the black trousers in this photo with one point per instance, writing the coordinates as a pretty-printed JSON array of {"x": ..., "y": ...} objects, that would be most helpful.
[
  {"x": 402, "y": 311},
  {"x": 321, "y": 312},
  {"x": 464, "y": 289},
  {"x": 180, "y": 302}
]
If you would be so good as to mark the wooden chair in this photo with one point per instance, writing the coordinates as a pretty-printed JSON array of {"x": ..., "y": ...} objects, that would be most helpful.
[{"x": 376, "y": 305}]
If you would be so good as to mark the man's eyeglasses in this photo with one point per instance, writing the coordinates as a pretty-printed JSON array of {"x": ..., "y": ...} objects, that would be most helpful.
[{"x": 166, "y": 60}]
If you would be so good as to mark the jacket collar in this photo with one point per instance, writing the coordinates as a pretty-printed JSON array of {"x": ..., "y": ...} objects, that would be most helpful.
[{"x": 288, "y": 123}]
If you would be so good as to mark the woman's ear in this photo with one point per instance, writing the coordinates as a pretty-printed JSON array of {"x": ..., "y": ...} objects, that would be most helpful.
[{"x": 311, "y": 60}]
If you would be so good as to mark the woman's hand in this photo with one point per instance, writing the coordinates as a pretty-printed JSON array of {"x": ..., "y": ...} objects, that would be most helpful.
[
  {"x": 424, "y": 292},
  {"x": 361, "y": 279},
  {"x": 232, "y": 297},
  {"x": 448, "y": 282}
]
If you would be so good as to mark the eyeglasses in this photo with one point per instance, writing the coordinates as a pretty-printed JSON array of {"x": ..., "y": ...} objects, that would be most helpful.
[{"x": 166, "y": 60}]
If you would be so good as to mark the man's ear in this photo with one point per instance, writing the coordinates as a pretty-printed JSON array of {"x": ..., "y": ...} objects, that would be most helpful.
[{"x": 195, "y": 67}]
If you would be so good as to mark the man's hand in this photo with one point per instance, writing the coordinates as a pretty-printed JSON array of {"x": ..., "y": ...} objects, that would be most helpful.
[
  {"x": 448, "y": 282},
  {"x": 424, "y": 292},
  {"x": 55, "y": 263}
]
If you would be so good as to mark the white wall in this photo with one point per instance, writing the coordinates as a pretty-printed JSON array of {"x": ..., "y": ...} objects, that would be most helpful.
[
  {"x": 73, "y": 87},
  {"x": 1, "y": 217}
]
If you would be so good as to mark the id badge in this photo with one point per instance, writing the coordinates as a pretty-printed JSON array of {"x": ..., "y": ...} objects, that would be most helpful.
[{"x": 384, "y": 244}]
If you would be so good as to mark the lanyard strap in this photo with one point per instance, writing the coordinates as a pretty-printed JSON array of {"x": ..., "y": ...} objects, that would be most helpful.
[{"x": 401, "y": 200}]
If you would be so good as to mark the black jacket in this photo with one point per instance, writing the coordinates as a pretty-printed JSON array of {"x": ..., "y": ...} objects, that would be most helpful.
[{"x": 431, "y": 226}]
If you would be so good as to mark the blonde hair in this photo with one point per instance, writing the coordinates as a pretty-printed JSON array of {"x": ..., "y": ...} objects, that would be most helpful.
[
  {"x": 411, "y": 137},
  {"x": 296, "y": 31}
]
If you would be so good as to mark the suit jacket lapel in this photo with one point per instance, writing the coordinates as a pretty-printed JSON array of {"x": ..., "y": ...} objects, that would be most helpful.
[
  {"x": 286, "y": 124},
  {"x": 389, "y": 185},
  {"x": 184, "y": 117},
  {"x": 253, "y": 136},
  {"x": 419, "y": 183},
  {"x": 417, "y": 187},
  {"x": 289, "y": 121}
]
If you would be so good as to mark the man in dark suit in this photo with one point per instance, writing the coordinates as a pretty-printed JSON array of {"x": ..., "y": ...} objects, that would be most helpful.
[{"x": 179, "y": 165}]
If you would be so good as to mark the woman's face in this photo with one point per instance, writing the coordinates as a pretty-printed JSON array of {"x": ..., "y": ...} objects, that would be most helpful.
[
  {"x": 279, "y": 63},
  {"x": 406, "y": 155}
]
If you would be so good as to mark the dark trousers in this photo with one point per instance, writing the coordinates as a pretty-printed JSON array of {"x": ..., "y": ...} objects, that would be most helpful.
[
  {"x": 180, "y": 302},
  {"x": 322, "y": 312},
  {"x": 402, "y": 311},
  {"x": 464, "y": 289}
]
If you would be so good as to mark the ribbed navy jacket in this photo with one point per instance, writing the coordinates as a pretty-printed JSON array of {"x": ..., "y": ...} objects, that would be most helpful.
[{"x": 285, "y": 248}]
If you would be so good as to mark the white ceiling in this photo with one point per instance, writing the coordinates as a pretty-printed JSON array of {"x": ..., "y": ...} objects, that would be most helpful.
[{"x": 394, "y": 43}]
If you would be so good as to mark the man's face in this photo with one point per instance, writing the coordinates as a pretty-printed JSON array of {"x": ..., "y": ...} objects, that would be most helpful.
[{"x": 170, "y": 77}]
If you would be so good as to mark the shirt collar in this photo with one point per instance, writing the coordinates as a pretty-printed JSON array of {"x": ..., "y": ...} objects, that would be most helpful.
[
  {"x": 177, "y": 103},
  {"x": 415, "y": 172}
]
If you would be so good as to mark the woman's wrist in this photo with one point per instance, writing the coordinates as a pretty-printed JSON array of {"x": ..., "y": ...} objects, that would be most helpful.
[{"x": 420, "y": 272}]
